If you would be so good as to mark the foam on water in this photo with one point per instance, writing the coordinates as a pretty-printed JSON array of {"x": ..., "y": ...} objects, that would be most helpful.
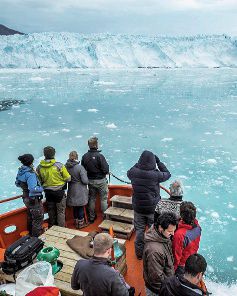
[{"x": 167, "y": 111}]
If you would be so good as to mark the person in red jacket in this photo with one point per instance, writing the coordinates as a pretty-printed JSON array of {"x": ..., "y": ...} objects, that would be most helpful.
[{"x": 187, "y": 236}]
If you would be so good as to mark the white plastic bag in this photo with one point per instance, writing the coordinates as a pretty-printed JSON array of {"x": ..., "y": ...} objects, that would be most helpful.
[
  {"x": 9, "y": 288},
  {"x": 35, "y": 275}
]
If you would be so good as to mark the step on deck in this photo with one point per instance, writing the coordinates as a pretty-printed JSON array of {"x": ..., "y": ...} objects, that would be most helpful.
[
  {"x": 120, "y": 214},
  {"x": 123, "y": 230},
  {"x": 120, "y": 201}
]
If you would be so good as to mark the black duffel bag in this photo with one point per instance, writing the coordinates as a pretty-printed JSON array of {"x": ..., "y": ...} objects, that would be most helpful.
[{"x": 21, "y": 253}]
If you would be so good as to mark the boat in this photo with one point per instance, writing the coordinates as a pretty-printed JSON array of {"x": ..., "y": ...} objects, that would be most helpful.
[{"x": 13, "y": 225}]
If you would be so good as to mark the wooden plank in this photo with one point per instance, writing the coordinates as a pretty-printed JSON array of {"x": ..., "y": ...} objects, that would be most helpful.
[
  {"x": 122, "y": 199},
  {"x": 66, "y": 290},
  {"x": 68, "y": 234},
  {"x": 68, "y": 230},
  {"x": 114, "y": 211},
  {"x": 128, "y": 214},
  {"x": 117, "y": 226}
]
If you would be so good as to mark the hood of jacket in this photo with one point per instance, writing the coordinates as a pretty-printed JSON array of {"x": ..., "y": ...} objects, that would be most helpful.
[
  {"x": 71, "y": 163},
  {"x": 147, "y": 161},
  {"x": 46, "y": 163},
  {"x": 153, "y": 236},
  {"x": 24, "y": 169}
]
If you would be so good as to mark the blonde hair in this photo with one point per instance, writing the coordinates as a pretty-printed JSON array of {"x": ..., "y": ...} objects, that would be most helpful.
[{"x": 73, "y": 155}]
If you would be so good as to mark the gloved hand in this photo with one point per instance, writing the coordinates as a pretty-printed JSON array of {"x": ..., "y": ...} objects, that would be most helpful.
[
  {"x": 131, "y": 291},
  {"x": 157, "y": 159}
]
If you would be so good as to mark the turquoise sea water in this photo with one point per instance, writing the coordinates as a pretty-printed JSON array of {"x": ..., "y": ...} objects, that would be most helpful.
[{"x": 188, "y": 117}]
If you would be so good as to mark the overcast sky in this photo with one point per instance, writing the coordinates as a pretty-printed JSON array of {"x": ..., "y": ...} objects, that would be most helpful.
[{"x": 152, "y": 17}]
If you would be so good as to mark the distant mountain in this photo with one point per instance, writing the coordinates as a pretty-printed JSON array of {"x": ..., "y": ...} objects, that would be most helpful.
[{"x": 7, "y": 31}]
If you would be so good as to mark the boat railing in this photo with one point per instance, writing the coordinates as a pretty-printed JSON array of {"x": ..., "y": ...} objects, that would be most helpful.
[{"x": 14, "y": 222}]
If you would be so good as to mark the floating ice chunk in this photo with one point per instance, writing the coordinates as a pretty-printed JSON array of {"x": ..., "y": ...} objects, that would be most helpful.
[
  {"x": 93, "y": 110},
  {"x": 207, "y": 133},
  {"x": 166, "y": 139},
  {"x": 66, "y": 130},
  {"x": 164, "y": 155},
  {"x": 210, "y": 268},
  {"x": 215, "y": 215},
  {"x": 78, "y": 136},
  {"x": 36, "y": 79},
  {"x": 234, "y": 168},
  {"x": 183, "y": 177},
  {"x": 111, "y": 125},
  {"x": 117, "y": 150},
  {"x": 79, "y": 110},
  {"x": 231, "y": 206},
  {"x": 218, "y": 133},
  {"x": 202, "y": 218},
  {"x": 104, "y": 82},
  {"x": 44, "y": 102},
  {"x": 51, "y": 105},
  {"x": 211, "y": 161},
  {"x": 230, "y": 258}
]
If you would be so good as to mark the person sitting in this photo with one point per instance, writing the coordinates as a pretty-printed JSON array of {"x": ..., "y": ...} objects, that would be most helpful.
[
  {"x": 189, "y": 284},
  {"x": 172, "y": 204},
  {"x": 95, "y": 276},
  {"x": 158, "y": 261},
  {"x": 145, "y": 179},
  {"x": 187, "y": 236},
  {"x": 32, "y": 196},
  {"x": 77, "y": 194}
]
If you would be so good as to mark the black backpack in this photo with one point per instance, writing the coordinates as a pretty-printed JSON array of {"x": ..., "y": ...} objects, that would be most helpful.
[{"x": 21, "y": 253}]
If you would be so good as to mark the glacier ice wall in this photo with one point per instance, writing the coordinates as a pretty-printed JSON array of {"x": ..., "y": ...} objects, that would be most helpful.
[{"x": 71, "y": 50}]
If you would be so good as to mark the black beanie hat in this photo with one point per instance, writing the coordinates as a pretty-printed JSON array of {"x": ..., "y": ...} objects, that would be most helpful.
[
  {"x": 26, "y": 159},
  {"x": 49, "y": 152}
]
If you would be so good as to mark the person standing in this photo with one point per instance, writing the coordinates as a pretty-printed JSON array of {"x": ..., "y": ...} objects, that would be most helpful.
[
  {"x": 187, "y": 236},
  {"x": 97, "y": 168},
  {"x": 32, "y": 196},
  {"x": 77, "y": 194},
  {"x": 145, "y": 179},
  {"x": 158, "y": 261},
  {"x": 95, "y": 276},
  {"x": 189, "y": 284},
  {"x": 53, "y": 176}
]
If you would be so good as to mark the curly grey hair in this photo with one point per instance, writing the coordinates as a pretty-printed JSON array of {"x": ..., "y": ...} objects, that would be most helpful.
[{"x": 176, "y": 188}]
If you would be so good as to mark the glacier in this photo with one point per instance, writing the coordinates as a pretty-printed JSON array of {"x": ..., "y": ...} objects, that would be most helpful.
[{"x": 73, "y": 50}]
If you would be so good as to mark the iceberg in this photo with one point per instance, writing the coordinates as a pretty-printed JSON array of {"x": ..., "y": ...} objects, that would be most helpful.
[{"x": 73, "y": 50}]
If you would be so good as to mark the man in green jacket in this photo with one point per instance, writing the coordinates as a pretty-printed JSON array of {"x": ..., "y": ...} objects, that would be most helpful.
[{"x": 53, "y": 176}]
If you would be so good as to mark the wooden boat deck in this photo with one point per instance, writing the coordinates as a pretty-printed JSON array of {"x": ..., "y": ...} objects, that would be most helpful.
[{"x": 56, "y": 236}]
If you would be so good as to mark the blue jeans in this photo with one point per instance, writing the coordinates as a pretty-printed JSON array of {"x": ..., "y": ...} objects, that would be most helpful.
[
  {"x": 140, "y": 223},
  {"x": 150, "y": 293},
  {"x": 78, "y": 212}
]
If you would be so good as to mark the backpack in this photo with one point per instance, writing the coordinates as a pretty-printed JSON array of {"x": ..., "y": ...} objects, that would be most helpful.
[{"x": 21, "y": 253}]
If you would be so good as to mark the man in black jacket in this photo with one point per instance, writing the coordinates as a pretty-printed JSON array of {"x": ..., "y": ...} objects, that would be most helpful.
[
  {"x": 97, "y": 168},
  {"x": 95, "y": 276},
  {"x": 145, "y": 178},
  {"x": 188, "y": 284}
]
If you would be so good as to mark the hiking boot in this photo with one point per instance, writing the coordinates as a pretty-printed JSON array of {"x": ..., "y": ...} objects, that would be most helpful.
[
  {"x": 76, "y": 223},
  {"x": 93, "y": 219},
  {"x": 82, "y": 223}
]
